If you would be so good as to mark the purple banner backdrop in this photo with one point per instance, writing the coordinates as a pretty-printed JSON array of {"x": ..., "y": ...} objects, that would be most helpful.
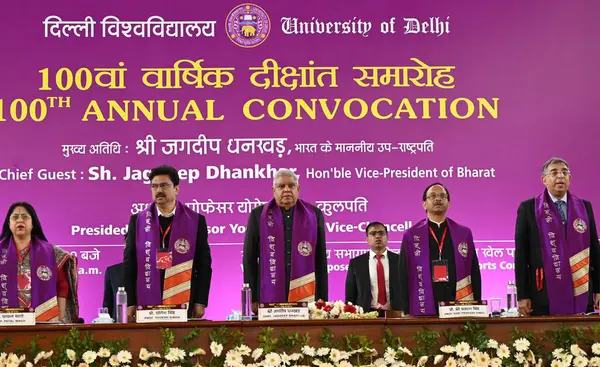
[{"x": 534, "y": 64}]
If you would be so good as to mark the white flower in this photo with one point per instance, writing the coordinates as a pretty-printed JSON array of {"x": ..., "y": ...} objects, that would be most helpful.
[
  {"x": 175, "y": 354},
  {"x": 335, "y": 312},
  {"x": 521, "y": 345},
  {"x": 308, "y": 350},
  {"x": 124, "y": 356},
  {"x": 492, "y": 344},
  {"x": 216, "y": 349},
  {"x": 556, "y": 363},
  {"x": 461, "y": 362},
  {"x": 568, "y": 359},
  {"x": 103, "y": 353},
  {"x": 483, "y": 359},
  {"x": 321, "y": 352},
  {"x": 89, "y": 356},
  {"x": 295, "y": 356},
  {"x": 144, "y": 355},
  {"x": 503, "y": 351},
  {"x": 285, "y": 359},
  {"x": 257, "y": 353},
  {"x": 198, "y": 352},
  {"x": 422, "y": 361},
  {"x": 39, "y": 356},
  {"x": 520, "y": 358},
  {"x": 335, "y": 355},
  {"x": 595, "y": 361},
  {"x": 28, "y": 364},
  {"x": 496, "y": 362},
  {"x": 114, "y": 361},
  {"x": 438, "y": 359},
  {"x": 580, "y": 361},
  {"x": 596, "y": 348},
  {"x": 450, "y": 362},
  {"x": 379, "y": 362},
  {"x": 344, "y": 364},
  {"x": 156, "y": 364},
  {"x": 474, "y": 354},
  {"x": 462, "y": 349},
  {"x": 71, "y": 355},
  {"x": 244, "y": 350},
  {"x": 389, "y": 355},
  {"x": 448, "y": 349},
  {"x": 576, "y": 351},
  {"x": 83, "y": 365},
  {"x": 319, "y": 314},
  {"x": 233, "y": 358},
  {"x": 272, "y": 359},
  {"x": 557, "y": 353},
  {"x": 48, "y": 354}
]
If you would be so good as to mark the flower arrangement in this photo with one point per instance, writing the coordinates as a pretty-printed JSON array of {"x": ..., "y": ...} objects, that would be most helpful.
[
  {"x": 321, "y": 310},
  {"x": 468, "y": 348}
]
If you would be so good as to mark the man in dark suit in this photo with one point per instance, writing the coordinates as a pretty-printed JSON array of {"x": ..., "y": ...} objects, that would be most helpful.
[
  {"x": 167, "y": 250},
  {"x": 372, "y": 281},
  {"x": 285, "y": 255},
  {"x": 557, "y": 255},
  {"x": 113, "y": 279}
]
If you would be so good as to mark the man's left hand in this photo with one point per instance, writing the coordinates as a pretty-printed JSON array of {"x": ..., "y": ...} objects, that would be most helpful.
[{"x": 198, "y": 311}]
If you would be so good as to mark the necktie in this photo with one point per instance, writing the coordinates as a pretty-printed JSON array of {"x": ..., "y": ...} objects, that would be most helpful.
[
  {"x": 561, "y": 211},
  {"x": 381, "y": 293}
]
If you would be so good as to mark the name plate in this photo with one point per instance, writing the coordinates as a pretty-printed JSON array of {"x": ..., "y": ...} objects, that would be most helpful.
[
  {"x": 161, "y": 313},
  {"x": 17, "y": 316},
  {"x": 283, "y": 311},
  {"x": 463, "y": 309}
]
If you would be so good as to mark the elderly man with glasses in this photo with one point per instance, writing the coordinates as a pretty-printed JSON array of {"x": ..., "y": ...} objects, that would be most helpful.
[
  {"x": 557, "y": 257},
  {"x": 438, "y": 262}
]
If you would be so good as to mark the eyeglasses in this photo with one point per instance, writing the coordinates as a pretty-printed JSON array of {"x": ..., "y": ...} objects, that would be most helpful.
[
  {"x": 432, "y": 197},
  {"x": 162, "y": 186},
  {"x": 564, "y": 172},
  {"x": 377, "y": 233},
  {"x": 24, "y": 216}
]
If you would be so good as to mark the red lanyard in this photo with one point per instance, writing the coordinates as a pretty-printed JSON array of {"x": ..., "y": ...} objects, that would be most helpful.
[
  {"x": 165, "y": 234},
  {"x": 22, "y": 257},
  {"x": 440, "y": 244}
]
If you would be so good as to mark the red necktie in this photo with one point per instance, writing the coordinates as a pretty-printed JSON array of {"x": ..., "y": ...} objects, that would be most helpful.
[{"x": 381, "y": 293}]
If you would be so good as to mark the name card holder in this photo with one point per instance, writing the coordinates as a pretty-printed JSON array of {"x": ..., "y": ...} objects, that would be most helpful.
[
  {"x": 17, "y": 316},
  {"x": 161, "y": 313},
  {"x": 463, "y": 309},
  {"x": 283, "y": 311}
]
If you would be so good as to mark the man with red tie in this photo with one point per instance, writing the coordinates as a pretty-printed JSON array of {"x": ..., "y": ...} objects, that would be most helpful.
[{"x": 372, "y": 279}]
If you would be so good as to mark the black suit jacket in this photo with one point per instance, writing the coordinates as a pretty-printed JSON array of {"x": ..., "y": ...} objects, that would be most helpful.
[
  {"x": 528, "y": 258},
  {"x": 358, "y": 282},
  {"x": 113, "y": 279},
  {"x": 201, "y": 267},
  {"x": 252, "y": 255}
]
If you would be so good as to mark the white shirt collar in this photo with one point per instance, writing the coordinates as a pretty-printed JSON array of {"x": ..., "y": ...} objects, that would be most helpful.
[
  {"x": 166, "y": 215},
  {"x": 439, "y": 224},
  {"x": 373, "y": 254},
  {"x": 554, "y": 200}
]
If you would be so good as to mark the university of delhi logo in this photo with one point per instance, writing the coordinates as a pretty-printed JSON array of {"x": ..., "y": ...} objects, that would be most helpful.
[{"x": 248, "y": 25}]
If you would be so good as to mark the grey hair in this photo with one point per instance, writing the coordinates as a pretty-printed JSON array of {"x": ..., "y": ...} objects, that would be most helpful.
[
  {"x": 550, "y": 161},
  {"x": 285, "y": 172}
]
